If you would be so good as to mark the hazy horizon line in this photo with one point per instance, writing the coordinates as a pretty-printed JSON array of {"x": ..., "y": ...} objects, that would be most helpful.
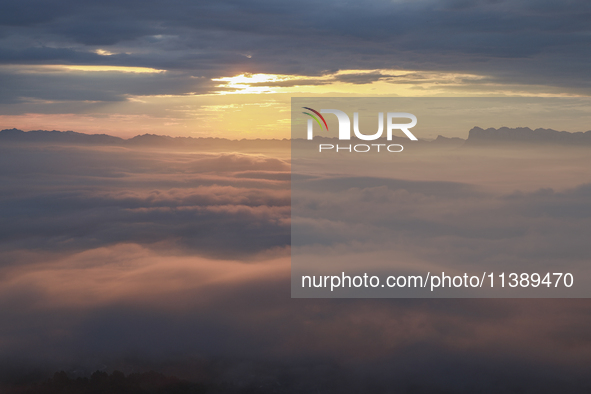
[{"x": 114, "y": 138}]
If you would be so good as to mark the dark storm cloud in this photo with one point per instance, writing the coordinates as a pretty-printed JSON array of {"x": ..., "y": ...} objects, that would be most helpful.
[
  {"x": 361, "y": 78},
  {"x": 529, "y": 42},
  {"x": 100, "y": 86}
]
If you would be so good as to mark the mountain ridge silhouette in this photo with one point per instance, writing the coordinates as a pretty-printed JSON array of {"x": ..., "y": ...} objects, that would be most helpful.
[{"x": 477, "y": 137}]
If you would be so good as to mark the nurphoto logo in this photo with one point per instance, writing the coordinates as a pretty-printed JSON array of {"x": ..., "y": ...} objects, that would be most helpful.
[{"x": 345, "y": 129}]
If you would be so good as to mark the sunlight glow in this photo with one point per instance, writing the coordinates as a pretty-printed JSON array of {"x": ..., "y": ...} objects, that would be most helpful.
[
  {"x": 242, "y": 83},
  {"x": 366, "y": 82},
  {"x": 122, "y": 69},
  {"x": 65, "y": 68},
  {"x": 103, "y": 52}
]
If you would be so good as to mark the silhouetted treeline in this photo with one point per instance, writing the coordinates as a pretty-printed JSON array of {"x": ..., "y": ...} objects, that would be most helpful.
[
  {"x": 115, "y": 383},
  {"x": 309, "y": 378}
]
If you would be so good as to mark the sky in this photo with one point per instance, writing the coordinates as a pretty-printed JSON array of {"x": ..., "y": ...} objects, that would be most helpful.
[
  {"x": 155, "y": 256},
  {"x": 229, "y": 68}
]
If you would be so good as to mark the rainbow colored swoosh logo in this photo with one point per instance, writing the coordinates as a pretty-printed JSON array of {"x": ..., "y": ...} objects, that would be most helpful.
[{"x": 315, "y": 118}]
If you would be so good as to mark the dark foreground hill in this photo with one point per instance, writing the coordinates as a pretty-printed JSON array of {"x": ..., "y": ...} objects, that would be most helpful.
[{"x": 115, "y": 383}]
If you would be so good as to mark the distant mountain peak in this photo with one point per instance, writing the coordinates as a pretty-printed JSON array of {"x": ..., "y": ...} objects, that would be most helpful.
[
  {"x": 503, "y": 135},
  {"x": 144, "y": 140}
]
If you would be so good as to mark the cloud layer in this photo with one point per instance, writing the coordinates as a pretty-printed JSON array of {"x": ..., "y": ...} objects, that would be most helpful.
[
  {"x": 143, "y": 258},
  {"x": 525, "y": 42}
]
